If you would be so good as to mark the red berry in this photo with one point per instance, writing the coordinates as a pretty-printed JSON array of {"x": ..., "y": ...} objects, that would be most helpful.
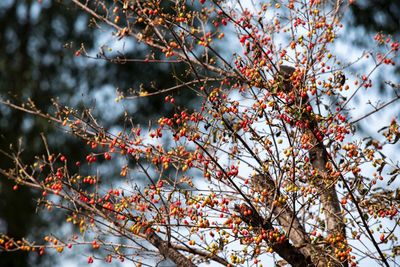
[{"x": 382, "y": 237}]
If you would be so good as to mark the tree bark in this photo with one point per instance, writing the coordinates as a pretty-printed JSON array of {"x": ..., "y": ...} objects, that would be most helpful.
[
  {"x": 169, "y": 252},
  {"x": 294, "y": 256},
  {"x": 326, "y": 187},
  {"x": 291, "y": 224}
]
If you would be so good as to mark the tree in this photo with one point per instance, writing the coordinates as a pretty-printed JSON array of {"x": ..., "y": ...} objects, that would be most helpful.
[{"x": 269, "y": 164}]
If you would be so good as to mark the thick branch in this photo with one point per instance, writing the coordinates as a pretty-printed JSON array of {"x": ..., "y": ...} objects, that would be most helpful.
[
  {"x": 285, "y": 249},
  {"x": 167, "y": 251},
  {"x": 203, "y": 254},
  {"x": 329, "y": 199},
  {"x": 319, "y": 159},
  {"x": 287, "y": 219}
]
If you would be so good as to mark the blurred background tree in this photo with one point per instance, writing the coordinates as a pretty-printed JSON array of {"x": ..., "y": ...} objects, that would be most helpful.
[
  {"x": 367, "y": 19},
  {"x": 371, "y": 17},
  {"x": 38, "y": 40},
  {"x": 376, "y": 16}
]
